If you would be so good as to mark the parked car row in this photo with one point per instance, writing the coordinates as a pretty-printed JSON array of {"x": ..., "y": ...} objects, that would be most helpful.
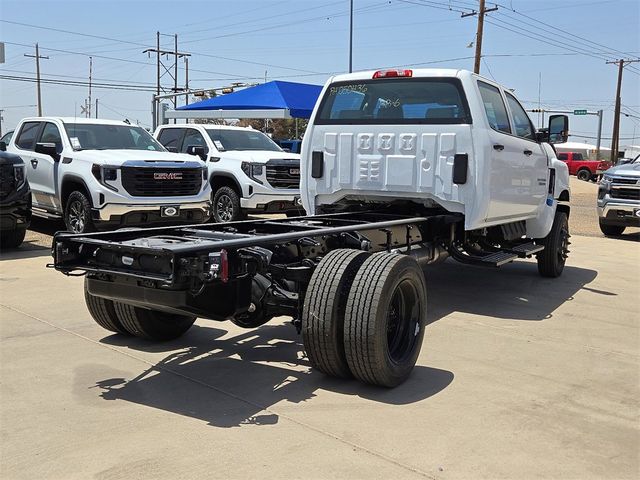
[{"x": 102, "y": 174}]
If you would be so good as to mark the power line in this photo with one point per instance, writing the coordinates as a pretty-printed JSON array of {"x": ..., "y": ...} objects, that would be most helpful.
[
  {"x": 72, "y": 83},
  {"x": 555, "y": 29}
]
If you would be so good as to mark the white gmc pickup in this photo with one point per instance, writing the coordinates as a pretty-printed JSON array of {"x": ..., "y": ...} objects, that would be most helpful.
[{"x": 102, "y": 173}]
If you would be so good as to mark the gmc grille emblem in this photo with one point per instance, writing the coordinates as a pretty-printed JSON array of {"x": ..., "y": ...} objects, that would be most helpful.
[{"x": 167, "y": 176}]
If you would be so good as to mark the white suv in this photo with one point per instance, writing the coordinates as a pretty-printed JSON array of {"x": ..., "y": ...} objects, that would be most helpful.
[
  {"x": 248, "y": 171},
  {"x": 102, "y": 173}
]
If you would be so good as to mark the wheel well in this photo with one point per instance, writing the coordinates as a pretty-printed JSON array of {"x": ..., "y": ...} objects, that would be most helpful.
[
  {"x": 584, "y": 168},
  {"x": 564, "y": 196},
  {"x": 218, "y": 181},
  {"x": 71, "y": 185}
]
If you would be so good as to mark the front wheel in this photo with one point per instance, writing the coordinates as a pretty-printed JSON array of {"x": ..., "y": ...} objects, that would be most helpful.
[
  {"x": 556, "y": 247},
  {"x": 385, "y": 318},
  {"x": 226, "y": 205},
  {"x": 611, "y": 230},
  {"x": 77, "y": 213}
]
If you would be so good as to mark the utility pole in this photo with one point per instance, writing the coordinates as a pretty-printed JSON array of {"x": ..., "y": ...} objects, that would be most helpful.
[
  {"x": 351, "y": 37},
  {"x": 1, "y": 119},
  {"x": 96, "y": 108},
  {"x": 600, "y": 112},
  {"x": 186, "y": 80},
  {"x": 89, "y": 102},
  {"x": 170, "y": 69},
  {"x": 37, "y": 56},
  {"x": 481, "y": 13},
  {"x": 616, "y": 119}
]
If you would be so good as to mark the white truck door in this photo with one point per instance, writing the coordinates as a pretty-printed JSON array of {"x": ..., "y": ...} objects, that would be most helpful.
[
  {"x": 535, "y": 162},
  {"x": 510, "y": 179},
  {"x": 44, "y": 169}
]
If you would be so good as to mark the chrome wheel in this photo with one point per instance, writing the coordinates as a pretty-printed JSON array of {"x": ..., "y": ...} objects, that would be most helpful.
[
  {"x": 77, "y": 217},
  {"x": 224, "y": 206}
]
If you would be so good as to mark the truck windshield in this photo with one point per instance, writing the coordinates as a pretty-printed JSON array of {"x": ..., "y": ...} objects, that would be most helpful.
[
  {"x": 226, "y": 140},
  {"x": 394, "y": 101},
  {"x": 95, "y": 136}
]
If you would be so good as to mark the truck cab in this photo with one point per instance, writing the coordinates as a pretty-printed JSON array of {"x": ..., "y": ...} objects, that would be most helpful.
[
  {"x": 248, "y": 172},
  {"x": 438, "y": 138}
]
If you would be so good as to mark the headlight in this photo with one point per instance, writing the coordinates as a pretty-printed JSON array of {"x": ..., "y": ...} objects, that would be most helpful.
[
  {"x": 252, "y": 170},
  {"x": 606, "y": 182},
  {"x": 105, "y": 174},
  {"x": 19, "y": 172}
]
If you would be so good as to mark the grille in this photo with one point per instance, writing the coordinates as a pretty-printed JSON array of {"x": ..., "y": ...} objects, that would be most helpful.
[
  {"x": 625, "y": 181},
  {"x": 283, "y": 173},
  {"x": 626, "y": 193},
  {"x": 158, "y": 182},
  {"x": 7, "y": 181}
]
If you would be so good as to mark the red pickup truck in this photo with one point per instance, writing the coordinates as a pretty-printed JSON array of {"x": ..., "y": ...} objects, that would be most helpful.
[{"x": 583, "y": 168}]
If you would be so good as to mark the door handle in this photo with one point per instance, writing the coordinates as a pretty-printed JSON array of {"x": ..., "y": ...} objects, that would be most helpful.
[
  {"x": 34, "y": 163},
  {"x": 527, "y": 152},
  {"x": 497, "y": 146}
]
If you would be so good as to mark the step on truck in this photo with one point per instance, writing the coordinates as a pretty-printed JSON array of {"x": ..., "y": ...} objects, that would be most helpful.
[{"x": 400, "y": 169}]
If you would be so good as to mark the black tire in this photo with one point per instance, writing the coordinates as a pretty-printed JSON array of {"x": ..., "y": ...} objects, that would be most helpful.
[
  {"x": 385, "y": 319},
  {"x": 584, "y": 174},
  {"x": 323, "y": 311},
  {"x": 611, "y": 230},
  {"x": 103, "y": 312},
  {"x": 226, "y": 205},
  {"x": 12, "y": 239},
  {"x": 551, "y": 260},
  {"x": 152, "y": 324},
  {"x": 77, "y": 213}
]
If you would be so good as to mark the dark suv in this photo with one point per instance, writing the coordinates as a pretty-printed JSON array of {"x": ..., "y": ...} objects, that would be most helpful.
[{"x": 15, "y": 200}]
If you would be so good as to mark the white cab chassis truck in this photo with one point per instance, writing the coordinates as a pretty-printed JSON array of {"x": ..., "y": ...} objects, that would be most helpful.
[{"x": 399, "y": 169}]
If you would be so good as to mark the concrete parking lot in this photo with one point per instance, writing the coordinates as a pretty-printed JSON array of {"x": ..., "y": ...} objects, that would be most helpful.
[{"x": 519, "y": 377}]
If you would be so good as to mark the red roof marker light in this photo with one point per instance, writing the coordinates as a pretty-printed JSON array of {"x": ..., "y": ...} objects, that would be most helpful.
[{"x": 393, "y": 73}]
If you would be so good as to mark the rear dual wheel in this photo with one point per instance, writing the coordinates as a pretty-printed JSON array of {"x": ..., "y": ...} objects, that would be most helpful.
[
  {"x": 127, "y": 319},
  {"x": 364, "y": 315}
]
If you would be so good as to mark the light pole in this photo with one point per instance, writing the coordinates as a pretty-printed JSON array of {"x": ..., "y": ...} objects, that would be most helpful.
[{"x": 351, "y": 37}]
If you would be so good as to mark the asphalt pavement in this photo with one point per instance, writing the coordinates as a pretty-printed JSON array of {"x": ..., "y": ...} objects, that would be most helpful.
[{"x": 519, "y": 377}]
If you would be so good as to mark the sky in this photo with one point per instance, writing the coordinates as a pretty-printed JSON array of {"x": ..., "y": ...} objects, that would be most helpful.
[{"x": 552, "y": 53}]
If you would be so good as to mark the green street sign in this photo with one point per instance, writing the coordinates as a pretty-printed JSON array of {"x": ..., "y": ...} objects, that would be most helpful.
[{"x": 579, "y": 112}]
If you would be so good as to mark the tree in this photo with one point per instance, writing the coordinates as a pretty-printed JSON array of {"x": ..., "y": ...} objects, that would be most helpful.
[{"x": 277, "y": 128}]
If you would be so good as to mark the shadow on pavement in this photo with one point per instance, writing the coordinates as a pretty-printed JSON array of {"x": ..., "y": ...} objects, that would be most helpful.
[
  {"x": 513, "y": 292},
  {"x": 233, "y": 381},
  {"x": 26, "y": 250}
]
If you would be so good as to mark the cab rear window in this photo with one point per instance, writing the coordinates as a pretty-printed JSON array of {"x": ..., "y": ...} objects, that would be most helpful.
[{"x": 394, "y": 101}]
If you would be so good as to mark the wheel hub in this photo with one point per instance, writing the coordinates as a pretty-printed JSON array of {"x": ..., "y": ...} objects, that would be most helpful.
[
  {"x": 76, "y": 217},
  {"x": 224, "y": 206}
]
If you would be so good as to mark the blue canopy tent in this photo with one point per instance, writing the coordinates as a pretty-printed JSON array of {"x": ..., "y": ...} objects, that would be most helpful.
[{"x": 276, "y": 99}]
